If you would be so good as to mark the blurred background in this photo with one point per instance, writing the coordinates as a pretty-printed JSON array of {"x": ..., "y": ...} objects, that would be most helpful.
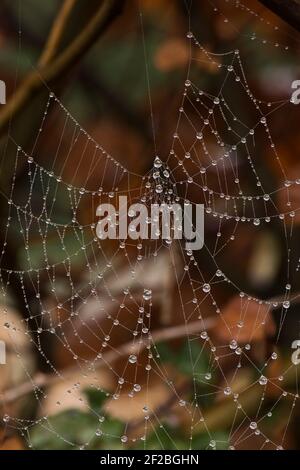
[{"x": 219, "y": 372}]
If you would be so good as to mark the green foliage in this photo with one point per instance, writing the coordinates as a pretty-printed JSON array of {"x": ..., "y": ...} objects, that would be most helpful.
[
  {"x": 123, "y": 63},
  {"x": 44, "y": 11},
  {"x": 165, "y": 437},
  {"x": 96, "y": 398},
  {"x": 190, "y": 360},
  {"x": 216, "y": 441},
  {"x": 66, "y": 430},
  {"x": 72, "y": 428}
]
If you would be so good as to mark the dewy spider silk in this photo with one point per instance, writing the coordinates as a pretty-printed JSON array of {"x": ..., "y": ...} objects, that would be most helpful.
[{"x": 165, "y": 221}]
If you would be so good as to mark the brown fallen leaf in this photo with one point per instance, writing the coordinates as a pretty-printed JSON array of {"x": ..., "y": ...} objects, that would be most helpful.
[
  {"x": 10, "y": 443},
  {"x": 244, "y": 320},
  {"x": 19, "y": 360},
  {"x": 172, "y": 54},
  {"x": 70, "y": 392}
]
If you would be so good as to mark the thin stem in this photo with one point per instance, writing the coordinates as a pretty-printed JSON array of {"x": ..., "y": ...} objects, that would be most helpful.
[
  {"x": 57, "y": 31},
  {"x": 165, "y": 334},
  {"x": 62, "y": 64}
]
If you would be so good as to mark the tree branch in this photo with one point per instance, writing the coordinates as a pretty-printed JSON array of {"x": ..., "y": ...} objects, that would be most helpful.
[
  {"x": 165, "y": 334},
  {"x": 62, "y": 64},
  {"x": 57, "y": 31},
  {"x": 287, "y": 10}
]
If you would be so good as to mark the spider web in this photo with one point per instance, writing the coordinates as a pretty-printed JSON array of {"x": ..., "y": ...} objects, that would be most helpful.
[{"x": 98, "y": 302}]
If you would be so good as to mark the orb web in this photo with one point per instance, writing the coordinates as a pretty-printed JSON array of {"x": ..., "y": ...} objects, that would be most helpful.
[{"x": 107, "y": 307}]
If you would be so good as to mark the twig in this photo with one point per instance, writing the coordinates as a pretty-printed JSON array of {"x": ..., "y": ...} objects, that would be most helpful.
[
  {"x": 287, "y": 10},
  {"x": 56, "y": 33},
  {"x": 165, "y": 334},
  {"x": 62, "y": 64}
]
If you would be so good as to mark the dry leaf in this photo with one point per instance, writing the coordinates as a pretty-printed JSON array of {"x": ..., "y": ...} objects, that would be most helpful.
[
  {"x": 172, "y": 54},
  {"x": 13, "y": 334},
  {"x": 70, "y": 392},
  {"x": 10, "y": 443},
  {"x": 244, "y": 320}
]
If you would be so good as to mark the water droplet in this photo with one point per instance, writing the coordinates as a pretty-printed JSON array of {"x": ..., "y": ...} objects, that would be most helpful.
[
  {"x": 227, "y": 391},
  {"x": 132, "y": 359},
  {"x": 147, "y": 294},
  {"x": 206, "y": 288},
  {"x": 157, "y": 162},
  {"x": 263, "y": 380}
]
